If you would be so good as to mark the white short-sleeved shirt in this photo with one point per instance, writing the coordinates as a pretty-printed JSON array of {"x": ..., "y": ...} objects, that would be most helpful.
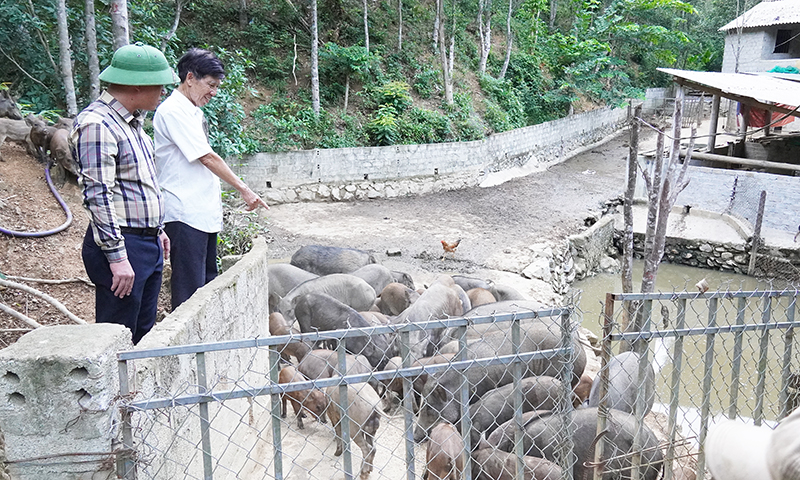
[{"x": 192, "y": 193}]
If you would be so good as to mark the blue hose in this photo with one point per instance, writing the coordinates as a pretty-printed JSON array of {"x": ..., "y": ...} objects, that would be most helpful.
[{"x": 60, "y": 202}]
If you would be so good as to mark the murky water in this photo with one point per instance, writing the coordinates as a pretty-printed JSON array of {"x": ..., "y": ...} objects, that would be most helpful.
[{"x": 753, "y": 388}]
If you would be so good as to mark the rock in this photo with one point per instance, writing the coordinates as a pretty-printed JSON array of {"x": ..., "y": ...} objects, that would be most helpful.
[{"x": 539, "y": 269}]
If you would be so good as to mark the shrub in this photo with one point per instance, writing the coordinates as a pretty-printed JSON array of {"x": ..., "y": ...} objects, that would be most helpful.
[{"x": 383, "y": 129}]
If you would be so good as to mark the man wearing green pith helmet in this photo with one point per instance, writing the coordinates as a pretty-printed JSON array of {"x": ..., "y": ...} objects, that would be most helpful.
[{"x": 125, "y": 246}]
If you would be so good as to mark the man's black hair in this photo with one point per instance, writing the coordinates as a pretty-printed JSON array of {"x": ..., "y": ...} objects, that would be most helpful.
[{"x": 201, "y": 63}]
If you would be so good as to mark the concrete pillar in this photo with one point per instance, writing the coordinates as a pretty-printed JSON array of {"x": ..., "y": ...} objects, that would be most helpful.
[{"x": 58, "y": 394}]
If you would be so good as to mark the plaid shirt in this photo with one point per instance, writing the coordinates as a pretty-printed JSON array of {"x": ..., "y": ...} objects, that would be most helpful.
[{"x": 117, "y": 173}]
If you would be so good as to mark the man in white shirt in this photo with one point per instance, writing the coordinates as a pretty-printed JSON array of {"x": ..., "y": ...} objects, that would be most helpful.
[{"x": 189, "y": 172}]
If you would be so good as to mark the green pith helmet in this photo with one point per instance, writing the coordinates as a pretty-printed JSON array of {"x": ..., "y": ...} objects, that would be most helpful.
[{"x": 138, "y": 64}]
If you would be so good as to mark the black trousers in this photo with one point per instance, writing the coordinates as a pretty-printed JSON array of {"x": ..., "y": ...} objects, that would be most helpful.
[
  {"x": 136, "y": 311},
  {"x": 193, "y": 257}
]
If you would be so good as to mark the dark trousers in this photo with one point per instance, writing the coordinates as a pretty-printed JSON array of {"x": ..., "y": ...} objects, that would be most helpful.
[
  {"x": 136, "y": 311},
  {"x": 193, "y": 257}
]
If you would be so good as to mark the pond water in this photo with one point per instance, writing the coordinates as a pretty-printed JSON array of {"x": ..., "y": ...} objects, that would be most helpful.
[{"x": 753, "y": 388}]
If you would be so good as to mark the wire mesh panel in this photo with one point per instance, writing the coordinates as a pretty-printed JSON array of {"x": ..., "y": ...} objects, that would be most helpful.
[
  {"x": 328, "y": 405},
  {"x": 678, "y": 362}
]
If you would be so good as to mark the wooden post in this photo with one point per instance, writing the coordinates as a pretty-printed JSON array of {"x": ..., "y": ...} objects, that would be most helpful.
[
  {"x": 757, "y": 233},
  {"x": 712, "y": 128}
]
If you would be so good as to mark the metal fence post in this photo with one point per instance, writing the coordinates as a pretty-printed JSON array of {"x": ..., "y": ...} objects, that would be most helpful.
[
  {"x": 566, "y": 445},
  {"x": 408, "y": 405},
  {"x": 641, "y": 347},
  {"x": 763, "y": 344},
  {"x": 466, "y": 421},
  {"x": 788, "y": 340},
  {"x": 736, "y": 361},
  {"x": 344, "y": 420},
  {"x": 516, "y": 373},
  {"x": 126, "y": 467},
  {"x": 205, "y": 426},
  {"x": 708, "y": 371},
  {"x": 675, "y": 388},
  {"x": 602, "y": 407},
  {"x": 275, "y": 413}
]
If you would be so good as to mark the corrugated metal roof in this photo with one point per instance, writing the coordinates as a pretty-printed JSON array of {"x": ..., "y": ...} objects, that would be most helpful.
[
  {"x": 767, "y": 13},
  {"x": 763, "y": 88}
]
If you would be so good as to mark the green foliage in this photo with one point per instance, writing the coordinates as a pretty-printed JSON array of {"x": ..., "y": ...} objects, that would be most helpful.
[
  {"x": 504, "y": 108},
  {"x": 224, "y": 113},
  {"x": 238, "y": 231},
  {"x": 426, "y": 82},
  {"x": 419, "y": 125},
  {"x": 603, "y": 51},
  {"x": 393, "y": 94},
  {"x": 287, "y": 124},
  {"x": 384, "y": 128}
]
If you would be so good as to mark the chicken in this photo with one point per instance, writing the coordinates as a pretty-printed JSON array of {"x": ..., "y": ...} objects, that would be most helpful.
[{"x": 449, "y": 247}]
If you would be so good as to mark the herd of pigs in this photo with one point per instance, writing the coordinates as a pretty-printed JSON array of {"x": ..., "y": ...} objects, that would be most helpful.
[
  {"x": 41, "y": 140},
  {"x": 329, "y": 288}
]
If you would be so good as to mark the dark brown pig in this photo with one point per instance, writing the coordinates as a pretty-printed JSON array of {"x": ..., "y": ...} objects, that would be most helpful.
[
  {"x": 279, "y": 326},
  {"x": 394, "y": 298},
  {"x": 480, "y": 296},
  {"x": 444, "y": 456},
  {"x": 312, "y": 401}
]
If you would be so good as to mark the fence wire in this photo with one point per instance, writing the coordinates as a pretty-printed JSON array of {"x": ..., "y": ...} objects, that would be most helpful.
[
  {"x": 679, "y": 362},
  {"x": 299, "y": 410}
]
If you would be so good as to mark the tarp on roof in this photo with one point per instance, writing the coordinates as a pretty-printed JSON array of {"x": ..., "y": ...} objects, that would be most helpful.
[
  {"x": 767, "y": 13},
  {"x": 764, "y": 89}
]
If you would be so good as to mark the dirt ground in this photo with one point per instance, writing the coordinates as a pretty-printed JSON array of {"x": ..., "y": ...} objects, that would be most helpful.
[{"x": 494, "y": 224}]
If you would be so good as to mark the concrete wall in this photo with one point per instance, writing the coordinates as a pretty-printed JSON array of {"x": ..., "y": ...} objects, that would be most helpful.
[
  {"x": 371, "y": 172},
  {"x": 751, "y": 51},
  {"x": 711, "y": 189},
  {"x": 59, "y": 404}
]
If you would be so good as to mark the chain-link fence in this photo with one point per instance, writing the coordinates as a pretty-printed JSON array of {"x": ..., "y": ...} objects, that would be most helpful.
[
  {"x": 355, "y": 411},
  {"x": 678, "y": 362}
]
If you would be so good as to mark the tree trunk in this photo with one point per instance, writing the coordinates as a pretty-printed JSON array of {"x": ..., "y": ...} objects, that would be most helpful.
[
  {"x": 508, "y": 41},
  {"x": 366, "y": 26},
  {"x": 399, "y": 25},
  {"x": 553, "y": 7},
  {"x": 119, "y": 23},
  {"x": 91, "y": 51},
  {"x": 485, "y": 32},
  {"x": 448, "y": 88},
  {"x": 314, "y": 59},
  {"x": 175, "y": 23},
  {"x": 436, "y": 24},
  {"x": 243, "y": 17},
  {"x": 65, "y": 55},
  {"x": 451, "y": 56},
  {"x": 346, "y": 93},
  {"x": 627, "y": 206}
]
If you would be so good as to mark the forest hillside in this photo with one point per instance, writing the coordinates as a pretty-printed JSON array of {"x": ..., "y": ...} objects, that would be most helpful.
[{"x": 337, "y": 73}]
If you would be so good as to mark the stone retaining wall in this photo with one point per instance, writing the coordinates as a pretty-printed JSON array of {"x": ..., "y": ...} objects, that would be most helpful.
[{"x": 342, "y": 174}]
